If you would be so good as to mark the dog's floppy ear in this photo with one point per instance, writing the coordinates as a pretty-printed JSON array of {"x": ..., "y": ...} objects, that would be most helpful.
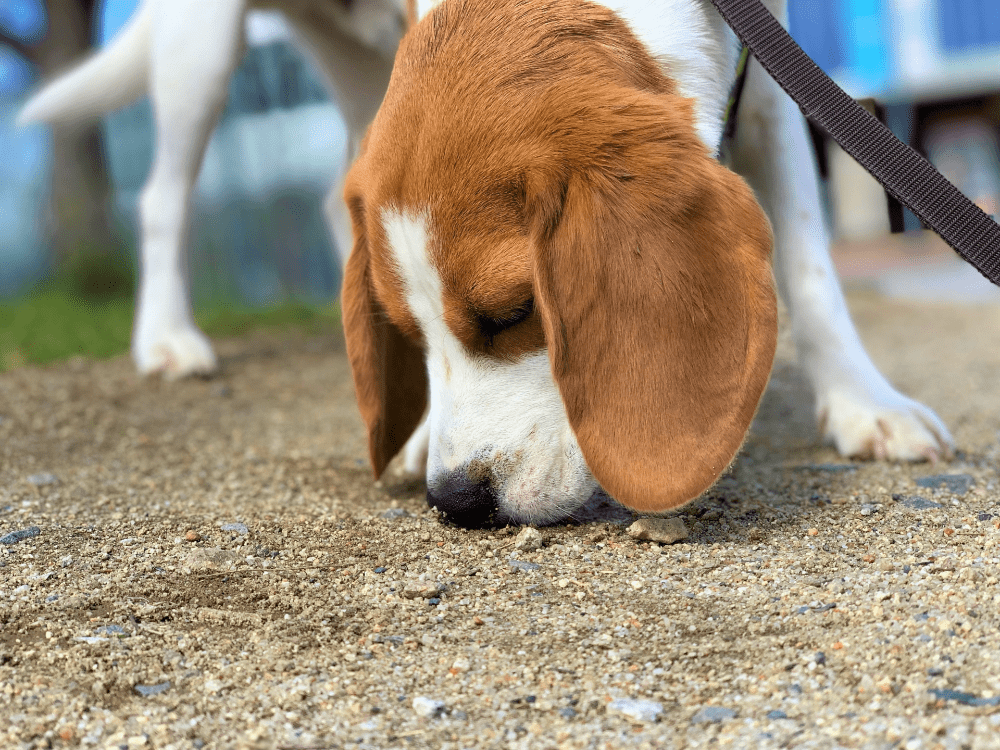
[
  {"x": 390, "y": 377},
  {"x": 653, "y": 278}
]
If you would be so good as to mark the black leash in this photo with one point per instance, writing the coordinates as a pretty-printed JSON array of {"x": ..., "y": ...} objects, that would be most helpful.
[{"x": 906, "y": 175}]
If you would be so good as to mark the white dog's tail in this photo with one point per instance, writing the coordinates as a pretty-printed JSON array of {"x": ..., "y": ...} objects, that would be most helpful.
[{"x": 112, "y": 78}]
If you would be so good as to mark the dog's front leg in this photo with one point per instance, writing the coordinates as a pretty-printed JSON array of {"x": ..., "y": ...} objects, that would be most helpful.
[
  {"x": 195, "y": 48},
  {"x": 856, "y": 407}
]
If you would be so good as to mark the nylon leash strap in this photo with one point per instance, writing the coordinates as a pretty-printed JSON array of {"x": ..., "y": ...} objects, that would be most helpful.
[{"x": 906, "y": 175}]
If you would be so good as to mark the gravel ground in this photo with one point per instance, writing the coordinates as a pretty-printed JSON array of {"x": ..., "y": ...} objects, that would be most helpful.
[{"x": 208, "y": 564}]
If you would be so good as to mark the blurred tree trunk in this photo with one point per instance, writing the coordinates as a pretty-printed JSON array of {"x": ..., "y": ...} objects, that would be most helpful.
[{"x": 78, "y": 224}]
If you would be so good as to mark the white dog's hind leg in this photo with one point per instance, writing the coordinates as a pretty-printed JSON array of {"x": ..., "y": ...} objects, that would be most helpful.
[
  {"x": 195, "y": 48},
  {"x": 857, "y": 409}
]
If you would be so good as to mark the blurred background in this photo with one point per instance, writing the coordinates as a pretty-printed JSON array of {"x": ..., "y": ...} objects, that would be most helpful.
[{"x": 930, "y": 69}]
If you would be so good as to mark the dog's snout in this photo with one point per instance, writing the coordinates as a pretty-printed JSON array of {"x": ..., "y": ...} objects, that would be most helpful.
[{"x": 468, "y": 503}]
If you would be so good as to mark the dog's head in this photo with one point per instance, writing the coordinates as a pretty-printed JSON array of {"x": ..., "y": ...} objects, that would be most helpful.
[{"x": 545, "y": 250}]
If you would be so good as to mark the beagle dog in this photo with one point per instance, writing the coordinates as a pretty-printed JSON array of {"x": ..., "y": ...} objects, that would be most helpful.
[
  {"x": 183, "y": 53},
  {"x": 551, "y": 263}
]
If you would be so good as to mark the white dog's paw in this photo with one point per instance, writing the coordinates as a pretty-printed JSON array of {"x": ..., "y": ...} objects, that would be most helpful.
[
  {"x": 414, "y": 461},
  {"x": 174, "y": 353},
  {"x": 886, "y": 426}
]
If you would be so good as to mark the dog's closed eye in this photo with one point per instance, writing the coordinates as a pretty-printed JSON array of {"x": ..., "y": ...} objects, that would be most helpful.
[{"x": 493, "y": 325}]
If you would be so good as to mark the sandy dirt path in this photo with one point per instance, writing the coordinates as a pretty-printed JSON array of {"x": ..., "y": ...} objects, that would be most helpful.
[{"x": 214, "y": 568}]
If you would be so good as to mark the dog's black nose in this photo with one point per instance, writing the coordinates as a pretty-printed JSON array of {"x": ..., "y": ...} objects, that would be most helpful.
[{"x": 464, "y": 502}]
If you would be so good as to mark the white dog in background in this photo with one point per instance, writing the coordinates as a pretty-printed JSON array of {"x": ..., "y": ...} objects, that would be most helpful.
[{"x": 183, "y": 52}]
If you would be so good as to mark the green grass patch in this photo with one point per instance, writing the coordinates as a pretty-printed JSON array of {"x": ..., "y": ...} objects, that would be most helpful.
[{"x": 55, "y": 322}]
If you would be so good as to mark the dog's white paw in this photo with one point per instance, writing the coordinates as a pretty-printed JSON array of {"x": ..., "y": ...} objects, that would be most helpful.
[
  {"x": 414, "y": 461},
  {"x": 884, "y": 426},
  {"x": 174, "y": 353}
]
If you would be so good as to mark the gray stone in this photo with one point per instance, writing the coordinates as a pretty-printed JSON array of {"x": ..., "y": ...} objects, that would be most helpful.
[
  {"x": 148, "y": 690},
  {"x": 956, "y": 484},
  {"x": 239, "y": 528},
  {"x": 662, "y": 530},
  {"x": 829, "y": 468},
  {"x": 19, "y": 536},
  {"x": 394, "y": 513},
  {"x": 40, "y": 480},
  {"x": 523, "y": 566},
  {"x": 712, "y": 715},
  {"x": 916, "y": 502},
  {"x": 116, "y": 631},
  {"x": 967, "y": 699},
  {"x": 637, "y": 710}
]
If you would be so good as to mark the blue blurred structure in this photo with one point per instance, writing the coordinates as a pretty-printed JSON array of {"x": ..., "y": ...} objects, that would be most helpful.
[
  {"x": 900, "y": 51},
  {"x": 934, "y": 68}
]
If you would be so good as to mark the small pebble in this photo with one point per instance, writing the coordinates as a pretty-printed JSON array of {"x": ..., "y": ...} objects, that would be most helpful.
[
  {"x": 967, "y": 699},
  {"x": 662, "y": 530},
  {"x": 115, "y": 630},
  {"x": 635, "y": 709},
  {"x": 527, "y": 567},
  {"x": 713, "y": 715},
  {"x": 239, "y": 528},
  {"x": 916, "y": 502},
  {"x": 421, "y": 590},
  {"x": 775, "y": 715},
  {"x": 193, "y": 536},
  {"x": 394, "y": 513},
  {"x": 956, "y": 484},
  {"x": 427, "y": 708},
  {"x": 831, "y": 468},
  {"x": 528, "y": 540},
  {"x": 41, "y": 480},
  {"x": 148, "y": 690},
  {"x": 19, "y": 536}
]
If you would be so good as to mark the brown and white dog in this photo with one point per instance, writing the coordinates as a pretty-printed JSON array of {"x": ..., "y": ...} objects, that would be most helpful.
[{"x": 550, "y": 260}]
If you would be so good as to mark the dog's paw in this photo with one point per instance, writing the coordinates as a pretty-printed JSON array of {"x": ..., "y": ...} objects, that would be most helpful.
[
  {"x": 174, "y": 353},
  {"x": 414, "y": 462},
  {"x": 888, "y": 426}
]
